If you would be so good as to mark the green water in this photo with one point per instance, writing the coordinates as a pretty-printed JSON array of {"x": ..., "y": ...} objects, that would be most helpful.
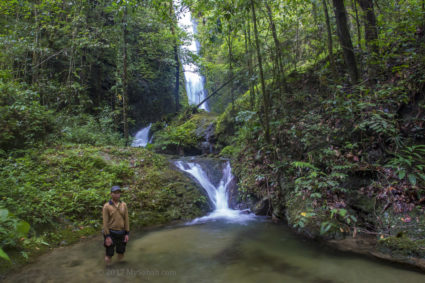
[{"x": 257, "y": 251}]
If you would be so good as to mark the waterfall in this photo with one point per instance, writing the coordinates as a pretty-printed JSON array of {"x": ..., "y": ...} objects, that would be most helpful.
[
  {"x": 195, "y": 82},
  {"x": 217, "y": 194},
  {"x": 141, "y": 139}
]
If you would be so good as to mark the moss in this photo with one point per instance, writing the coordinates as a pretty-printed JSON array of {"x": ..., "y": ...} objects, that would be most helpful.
[
  {"x": 61, "y": 191},
  {"x": 185, "y": 135},
  {"x": 403, "y": 246}
]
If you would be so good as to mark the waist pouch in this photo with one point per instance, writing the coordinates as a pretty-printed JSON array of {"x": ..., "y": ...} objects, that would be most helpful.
[{"x": 117, "y": 232}]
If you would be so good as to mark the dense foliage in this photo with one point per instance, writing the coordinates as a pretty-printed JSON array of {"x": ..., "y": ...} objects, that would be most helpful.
[
  {"x": 90, "y": 57},
  {"x": 322, "y": 112},
  {"x": 329, "y": 137},
  {"x": 57, "y": 194}
]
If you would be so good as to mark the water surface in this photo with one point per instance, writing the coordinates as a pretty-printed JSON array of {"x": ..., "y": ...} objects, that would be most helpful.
[{"x": 217, "y": 251}]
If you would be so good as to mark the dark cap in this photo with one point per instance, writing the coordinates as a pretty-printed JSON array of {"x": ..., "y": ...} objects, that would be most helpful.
[{"x": 115, "y": 188}]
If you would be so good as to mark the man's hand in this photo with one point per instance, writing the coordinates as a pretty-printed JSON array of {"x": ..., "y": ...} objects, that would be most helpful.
[
  {"x": 126, "y": 238},
  {"x": 108, "y": 241}
]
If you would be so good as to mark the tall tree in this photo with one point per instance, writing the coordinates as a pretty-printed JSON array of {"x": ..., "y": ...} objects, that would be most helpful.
[
  {"x": 359, "y": 31},
  {"x": 266, "y": 99},
  {"x": 176, "y": 56},
  {"x": 249, "y": 63},
  {"x": 229, "y": 41},
  {"x": 345, "y": 39},
  {"x": 329, "y": 32},
  {"x": 371, "y": 31},
  {"x": 278, "y": 51},
  {"x": 125, "y": 78}
]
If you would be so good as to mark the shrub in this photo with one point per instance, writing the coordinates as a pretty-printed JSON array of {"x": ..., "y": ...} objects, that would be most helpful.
[
  {"x": 91, "y": 130},
  {"x": 11, "y": 231},
  {"x": 23, "y": 121}
]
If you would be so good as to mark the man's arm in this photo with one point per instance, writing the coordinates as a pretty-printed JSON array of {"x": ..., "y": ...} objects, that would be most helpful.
[
  {"x": 127, "y": 221},
  {"x": 105, "y": 215},
  {"x": 126, "y": 225}
]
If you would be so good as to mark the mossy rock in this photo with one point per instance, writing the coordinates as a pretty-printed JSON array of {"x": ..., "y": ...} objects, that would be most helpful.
[
  {"x": 402, "y": 245},
  {"x": 67, "y": 186},
  {"x": 186, "y": 137}
]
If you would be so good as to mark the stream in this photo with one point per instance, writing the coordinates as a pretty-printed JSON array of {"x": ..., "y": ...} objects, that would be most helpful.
[
  {"x": 224, "y": 246},
  {"x": 214, "y": 251}
]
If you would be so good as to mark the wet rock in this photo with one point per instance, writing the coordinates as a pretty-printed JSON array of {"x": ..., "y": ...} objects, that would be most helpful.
[
  {"x": 369, "y": 245},
  {"x": 262, "y": 207},
  {"x": 206, "y": 147},
  {"x": 246, "y": 211},
  {"x": 233, "y": 194}
]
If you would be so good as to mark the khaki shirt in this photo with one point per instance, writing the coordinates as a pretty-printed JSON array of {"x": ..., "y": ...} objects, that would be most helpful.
[{"x": 115, "y": 217}]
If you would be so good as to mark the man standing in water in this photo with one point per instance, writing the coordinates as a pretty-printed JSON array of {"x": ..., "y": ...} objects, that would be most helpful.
[{"x": 116, "y": 226}]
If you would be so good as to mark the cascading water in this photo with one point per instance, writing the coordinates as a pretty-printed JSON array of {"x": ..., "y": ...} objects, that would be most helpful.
[
  {"x": 217, "y": 194},
  {"x": 195, "y": 82},
  {"x": 141, "y": 139}
]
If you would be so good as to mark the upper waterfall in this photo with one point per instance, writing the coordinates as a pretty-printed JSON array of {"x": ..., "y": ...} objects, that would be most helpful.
[{"x": 195, "y": 82}]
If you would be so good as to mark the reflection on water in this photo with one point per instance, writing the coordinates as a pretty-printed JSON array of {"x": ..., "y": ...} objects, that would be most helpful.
[{"x": 213, "y": 252}]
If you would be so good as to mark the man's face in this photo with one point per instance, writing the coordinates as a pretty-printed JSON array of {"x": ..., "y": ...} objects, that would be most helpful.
[{"x": 116, "y": 195}]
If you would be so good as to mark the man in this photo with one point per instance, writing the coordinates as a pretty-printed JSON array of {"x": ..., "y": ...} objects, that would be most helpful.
[{"x": 116, "y": 226}]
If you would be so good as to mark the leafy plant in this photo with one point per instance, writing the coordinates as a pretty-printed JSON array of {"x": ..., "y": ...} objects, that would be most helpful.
[
  {"x": 380, "y": 124},
  {"x": 91, "y": 130},
  {"x": 339, "y": 218},
  {"x": 303, "y": 218},
  {"x": 23, "y": 121},
  {"x": 410, "y": 164},
  {"x": 316, "y": 181},
  {"x": 12, "y": 230}
]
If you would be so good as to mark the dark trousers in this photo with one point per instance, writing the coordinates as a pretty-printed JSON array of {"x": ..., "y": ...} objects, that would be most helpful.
[{"x": 118, "y": 243}]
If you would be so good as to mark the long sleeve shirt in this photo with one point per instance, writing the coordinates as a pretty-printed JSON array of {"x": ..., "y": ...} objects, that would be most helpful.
[{"x": 115, "y": 217}]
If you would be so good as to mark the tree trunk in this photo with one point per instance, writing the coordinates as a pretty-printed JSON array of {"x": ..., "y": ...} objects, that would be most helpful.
[
  {"x": 176, "y": 59},
  {"x": 345, "y": 39},
  {"x": 359, "y": 30},
  {"x": 34, "y": 52},
  {"x": 248, "y": 53},
  {"x": 263, "y": 84},
  {"x": 278, "y": 51},
  {"x": 177, "y": 83},
  {"x": 125, "y": 79},
  {"x": 423, "y": 13},
  {"x": 229, "y": 45},
  {"x": 330, "y": 43},
  {"x": 297, "y": 42},
  {"x": 371, "y": 31}
]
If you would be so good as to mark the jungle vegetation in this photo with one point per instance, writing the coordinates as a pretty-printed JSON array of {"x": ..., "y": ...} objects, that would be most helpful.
[{"x": 320, "y": 103}]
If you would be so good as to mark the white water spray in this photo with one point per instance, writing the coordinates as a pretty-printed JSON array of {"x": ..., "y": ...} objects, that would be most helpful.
[
  {"x": 141, "y": 139},
  {"x": 217, "y": 194},
  {"x": 195, "y": 82}
]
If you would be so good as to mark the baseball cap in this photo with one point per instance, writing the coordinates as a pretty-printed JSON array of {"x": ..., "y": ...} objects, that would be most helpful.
[{"x": 115, "y": 188}]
